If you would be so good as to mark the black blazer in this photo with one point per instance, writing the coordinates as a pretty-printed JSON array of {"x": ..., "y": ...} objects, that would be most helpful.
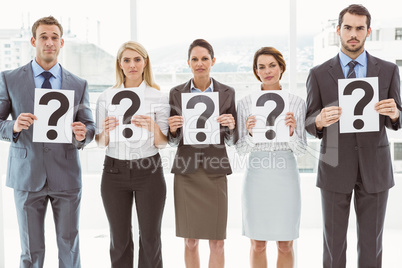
[
  {"x": 212, "y": 157},
  {"x": 343, "y": 155}
]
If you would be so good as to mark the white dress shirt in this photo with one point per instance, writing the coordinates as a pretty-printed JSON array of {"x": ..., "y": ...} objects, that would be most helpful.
[
  {"x": 156, "y": 105},
  {"x": 297, "y": 143}
]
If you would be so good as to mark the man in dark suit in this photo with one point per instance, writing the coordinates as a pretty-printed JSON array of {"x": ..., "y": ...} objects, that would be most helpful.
[
  {"x": 38, "y": 171},
  {"x": 353, "y": 162}
]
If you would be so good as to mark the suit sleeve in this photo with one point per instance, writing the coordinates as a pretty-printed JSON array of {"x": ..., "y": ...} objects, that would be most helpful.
[
  {"x": 395, "y": 93},
  {"x": 231, "y": 136},
  {"x": 6, "y": 126},
  {"x": 174, "y": 110},
  {"x": 314, "y": 105},
  {"x": 84, "y": 115}
]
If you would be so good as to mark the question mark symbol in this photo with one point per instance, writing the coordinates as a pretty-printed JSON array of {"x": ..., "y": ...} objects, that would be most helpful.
[
  {"x": 201, "y": 136},
  {"x": 135, "y": 105},
  {"x": 368, "y": 95},
  {"x": 280, "y": 105},
  {"x": 54, "y": 118}
]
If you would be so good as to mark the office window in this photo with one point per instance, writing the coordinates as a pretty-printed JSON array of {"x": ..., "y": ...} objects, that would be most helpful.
[
  {"x": 397, "y": 151},
  {"x": 398, "y": 33}
]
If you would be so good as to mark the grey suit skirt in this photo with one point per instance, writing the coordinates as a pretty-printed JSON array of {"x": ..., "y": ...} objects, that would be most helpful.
[
  {"x": 201, "y": 205},
  {"x": 271, "y": 197}
]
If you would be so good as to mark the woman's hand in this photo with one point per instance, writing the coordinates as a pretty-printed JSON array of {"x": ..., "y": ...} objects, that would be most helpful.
[
  {"x": 290, "y": 121},
  {"x": 175, "y": 122},
  {"x": 143, "y": 121},
  {"x": 227, "y": 120},
  {"x": 109, "y": 124},
  {"x": 250, "y": 124}
]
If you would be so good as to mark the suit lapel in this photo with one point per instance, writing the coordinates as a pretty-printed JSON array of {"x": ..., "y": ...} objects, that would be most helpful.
[
  {"x": 223, "y": 96},
  {"x": 335, "y": 69},
  {"x": 67, "y": 84},
  {"x": 373, "y": 69},
  {"x": 28, "y": 81},
  {"x": 177, "y": 95}
]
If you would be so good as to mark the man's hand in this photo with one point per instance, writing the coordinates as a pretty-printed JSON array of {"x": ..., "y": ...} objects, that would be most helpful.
[
  {"x": 79, "y": 130},
  {"x": 327, "y": 117},
  {"x": 24, "y": 121},
  {"x": 388, "y": 107}
]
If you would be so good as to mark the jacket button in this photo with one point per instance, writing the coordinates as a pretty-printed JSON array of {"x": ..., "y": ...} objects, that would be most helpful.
[{"x": 356, "y": 148}]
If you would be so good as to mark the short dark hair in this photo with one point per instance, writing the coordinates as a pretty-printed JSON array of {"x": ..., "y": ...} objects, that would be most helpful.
[
  {"x": 274, "y": 53},
  {"x": 201, "y": 43},
  {"x": 355, "y": 10},
  {"x": 47, "y": 21}
]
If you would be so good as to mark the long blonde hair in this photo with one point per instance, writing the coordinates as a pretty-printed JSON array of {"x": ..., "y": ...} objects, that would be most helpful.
[{"x": 146, "y": 75}]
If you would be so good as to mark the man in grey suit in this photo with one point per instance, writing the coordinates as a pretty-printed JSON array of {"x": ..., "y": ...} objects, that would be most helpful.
[
  {"x": 353, "y": 162},
  {"x": 42, "y": 172}
]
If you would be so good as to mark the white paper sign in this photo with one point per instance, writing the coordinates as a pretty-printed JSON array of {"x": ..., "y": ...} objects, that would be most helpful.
[
  {"x": 54, "y": 110},
  {"x": 124, "y": 104},
  {"x": 270, "y": 108},
  {"x": 357, "y": 98},
  {"x": 200, "y": 111}
]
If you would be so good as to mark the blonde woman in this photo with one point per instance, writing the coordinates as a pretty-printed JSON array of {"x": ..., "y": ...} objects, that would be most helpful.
[{"x": 133, "y": 170}]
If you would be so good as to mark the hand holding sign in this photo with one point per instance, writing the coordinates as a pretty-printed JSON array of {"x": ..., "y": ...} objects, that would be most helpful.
[
  {"x": 53, "y": 108},
  {"x": 388, "y": 108},
  {"x": 357, "y": 98},
  {"x": 23, "y": 121}
]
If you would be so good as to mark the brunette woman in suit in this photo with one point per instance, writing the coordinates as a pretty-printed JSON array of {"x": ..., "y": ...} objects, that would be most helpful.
[{"x": 200, "y": 184}]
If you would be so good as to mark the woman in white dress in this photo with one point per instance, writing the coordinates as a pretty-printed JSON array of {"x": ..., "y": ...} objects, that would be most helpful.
[{"x": 271, "y": 189}]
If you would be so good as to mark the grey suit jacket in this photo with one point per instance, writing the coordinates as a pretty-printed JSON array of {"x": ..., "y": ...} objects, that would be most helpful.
[
  {"x": 343, "y": 155},
  {"x": 31, "y": 164},
  {"x": 213, "y": 158}
]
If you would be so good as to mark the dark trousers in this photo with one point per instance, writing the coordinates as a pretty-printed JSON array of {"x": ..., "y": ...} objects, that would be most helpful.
[
  {"x": 142, "y": 180},
  {"x": 370, "y": 214}
]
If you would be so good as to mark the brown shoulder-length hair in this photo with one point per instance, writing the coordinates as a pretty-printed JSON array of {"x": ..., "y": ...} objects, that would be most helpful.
[
  {"x": 47, "y": 21},
  {"x": 201, "y": 43},
  {"x": 274, "y": 53},
  {"x": 355, "y": 9},
  {"x": 146, "y": 75}
]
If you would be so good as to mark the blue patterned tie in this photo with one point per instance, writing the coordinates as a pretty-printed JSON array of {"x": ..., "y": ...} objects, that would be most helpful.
[
  {"x": 46, "y": 83},
  {"x": 352, "y": 73}
]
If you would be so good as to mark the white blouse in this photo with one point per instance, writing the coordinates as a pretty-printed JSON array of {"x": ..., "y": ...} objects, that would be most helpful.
[
  {"x": 297, "y": 143},
  {"x": 156, "y": 105}
]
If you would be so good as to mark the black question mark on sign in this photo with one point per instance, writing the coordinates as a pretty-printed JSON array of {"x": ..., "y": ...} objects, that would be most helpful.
[
  {"x": 201, "y": 136},
  {"x": 64, "y": 104},
  {"x": 280, "y": 105},
  {"x": 135, "y": 105},
  {"x": 368, "y": 95}
]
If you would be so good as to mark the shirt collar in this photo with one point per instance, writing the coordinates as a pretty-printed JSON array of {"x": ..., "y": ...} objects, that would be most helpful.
[
  {"x": 38, "y": 70},
  {"x": 194, "y": 89},
  {"x": 362, "y": 59},
  {"x": 142, "y": 85}
]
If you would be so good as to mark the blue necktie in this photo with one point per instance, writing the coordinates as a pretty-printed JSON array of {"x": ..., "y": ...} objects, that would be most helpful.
[
  {"x": 46, "y": 83},
  {"x": 352, "y": 73}
]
